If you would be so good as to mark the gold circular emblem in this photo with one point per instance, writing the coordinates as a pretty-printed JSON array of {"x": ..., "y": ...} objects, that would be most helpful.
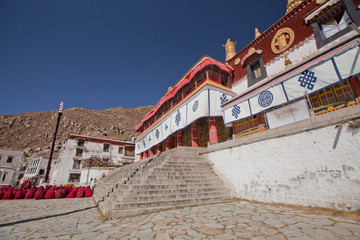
[
  {"x": 237, "y": 61},
  {"x": 282, "y": 40}
]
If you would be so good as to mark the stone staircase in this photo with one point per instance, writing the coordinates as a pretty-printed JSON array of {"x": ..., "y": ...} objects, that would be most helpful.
[{"x": 176, "y": 178}]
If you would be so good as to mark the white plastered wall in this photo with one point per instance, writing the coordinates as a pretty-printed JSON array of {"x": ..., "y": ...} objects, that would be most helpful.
[{"x": 302, "y": 169}]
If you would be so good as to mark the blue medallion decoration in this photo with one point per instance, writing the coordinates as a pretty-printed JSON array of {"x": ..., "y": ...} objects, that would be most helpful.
[
  {"x": 157, "y": 133},
  {"x": 195, "y": 106},
  {"x": 265, "y": 99},
  {"x": 149, "y": 138},
  {"x": 236, "y": 111},
  {"x": 307, "y": 80},
  {"x": 223, "y": 99},
  {"x": 144, "y": 143},
  {"x": 178, "y": 118},
  {"x": 166, "y": 126}
]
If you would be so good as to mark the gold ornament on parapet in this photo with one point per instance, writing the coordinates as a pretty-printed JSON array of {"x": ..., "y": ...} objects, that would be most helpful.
[
  {"x": 230, "y": 51},
  {"x": 237, "y": 61},
  {"x": 282, "y": 40}
]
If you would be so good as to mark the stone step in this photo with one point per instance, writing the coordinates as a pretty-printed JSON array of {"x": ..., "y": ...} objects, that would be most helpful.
[
  {"x": 172, "y": 186},
  {"x": 169, "y": 203},
  {"x": 173, "y": 181},
  {"x": 183, "y": 169},
  {"x": 164, "y": 197},
  {"x": 172, "y": 174},
  {"x": 120, "y": 193},
  {"x": 182, "y": 177}
]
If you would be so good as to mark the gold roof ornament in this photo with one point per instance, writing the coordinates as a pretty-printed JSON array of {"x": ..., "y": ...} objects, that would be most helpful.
[
  {"x": 257, "y": 33},
  {"x": 230, "y": 51},
  {"x": 287, "y": 60},
  {"x": 318, "y": 2},
  {"x": 169, "y": 89},
  {"x": 292, "y": 4}
]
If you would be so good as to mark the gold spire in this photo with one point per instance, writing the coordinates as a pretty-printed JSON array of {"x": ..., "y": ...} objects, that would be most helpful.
[
  {"x": 287, "y": 60},
  {"x": 229, "y": 49},
  {"x": 257, "y": 33},
  {"x": 292, "y": 4}
]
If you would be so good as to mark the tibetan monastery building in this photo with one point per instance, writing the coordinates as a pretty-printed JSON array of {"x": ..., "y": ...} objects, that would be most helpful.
[
  {"x": 190, "y": 112},
  {"x": 305, "y": 64}
]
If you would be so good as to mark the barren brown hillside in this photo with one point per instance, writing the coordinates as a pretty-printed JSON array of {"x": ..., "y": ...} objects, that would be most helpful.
[{"x": 33, "y": 132}]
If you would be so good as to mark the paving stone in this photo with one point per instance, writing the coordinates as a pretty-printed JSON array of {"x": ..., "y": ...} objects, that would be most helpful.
[
  {"x": 339, "y": 230},
  {"x": 226, "y": 236},
  {"x": 195, "y": 234},
  {"x": 235, "y": 220},
  {"x": 268, "y": 231},
  {"x": 209, "y": 231},
  {"x": 162, "y": 236},
  {"x": 276, "y": 237},
  {"x": 291, "y": 231}
]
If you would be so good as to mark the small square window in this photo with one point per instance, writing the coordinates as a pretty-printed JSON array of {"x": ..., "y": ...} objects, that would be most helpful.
[
  {"x": 121, "y": 150},
  {"x": 76, "y": 164},
  {"x": 256, "y": 69},
  {"x": 74, "y": 177},
  {"x": 129, "y": 151},
  {"x": 79, "y": 152},
  {"x": 106, "y": 148},
  {"x": 9, "y": 159},
  {"x": 80, "y": 142},
  {"x": 41, "y": 172}
]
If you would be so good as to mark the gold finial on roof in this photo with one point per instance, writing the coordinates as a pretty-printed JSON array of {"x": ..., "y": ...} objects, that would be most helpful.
[
  {"x": 292, "y": 4},
  {"x": 229, "y": 49},
  {"x": 169, "y": 89},
  {"x": 257, "y": 33},
  {"x": 318, "y": 2},
  {"x": 287, "y": 60}
]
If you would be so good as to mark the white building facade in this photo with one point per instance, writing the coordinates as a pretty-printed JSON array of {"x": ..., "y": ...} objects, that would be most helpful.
[
  {"x": 36, "y": 169},
  {"x": 10, "y": 165},
  {"x": 77, "y": 150}
]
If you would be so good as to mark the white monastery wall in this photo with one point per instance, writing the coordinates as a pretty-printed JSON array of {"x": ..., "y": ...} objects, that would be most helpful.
[
  {"x": 97, "y": 173},
  {"x": 302, "y": 169}
]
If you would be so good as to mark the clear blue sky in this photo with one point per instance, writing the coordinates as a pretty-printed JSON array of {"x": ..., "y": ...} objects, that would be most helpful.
[{"x": 108, "y": 53}]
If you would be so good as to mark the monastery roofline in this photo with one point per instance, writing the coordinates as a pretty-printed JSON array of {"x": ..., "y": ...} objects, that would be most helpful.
[
  {"x": 332, "y": 46},
  {"x": 97, "y": 139},
  {"x": 11, "y": 149},
  {"x": 271, "y": 29},
  {"x": 202, "y": 59}
]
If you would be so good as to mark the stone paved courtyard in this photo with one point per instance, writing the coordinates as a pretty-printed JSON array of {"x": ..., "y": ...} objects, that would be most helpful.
[{"x": 80, "y": 219}]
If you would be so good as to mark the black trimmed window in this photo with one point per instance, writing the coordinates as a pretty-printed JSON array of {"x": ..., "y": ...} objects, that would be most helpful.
[
  {"x": 121, "y": 150},
  {"x": 106, "y": 148},
  {"x": 335, "y": 22},
  {"x": 9, "y": 159},
  {"x": 256, "y": 71}
]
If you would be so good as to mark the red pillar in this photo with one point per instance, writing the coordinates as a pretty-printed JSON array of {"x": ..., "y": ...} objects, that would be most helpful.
[
  {"x": 159, "y": 148},
  {"x": 141, "y": 156},
  {"x": 168, "y": 144},
  {"x": 152, "y": 151},
  {"x": 194, "y": 135},
  {"x": 179, "y": 138},
  {"x": 356, "y": 87},
  {"x": 213, "y": 137},
  {"x": 146, "y": 154},
  {"x": 173, "y": 142}
]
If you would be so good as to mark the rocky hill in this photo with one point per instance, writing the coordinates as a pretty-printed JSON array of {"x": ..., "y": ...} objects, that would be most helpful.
[{"x": 33, "y": 132}]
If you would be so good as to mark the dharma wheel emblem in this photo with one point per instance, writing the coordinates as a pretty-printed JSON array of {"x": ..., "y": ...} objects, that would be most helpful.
[
  {"x": 282, "y": 40},
  {"x": 265, "y": 99},
  {"x": 195, "y": 106}
]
